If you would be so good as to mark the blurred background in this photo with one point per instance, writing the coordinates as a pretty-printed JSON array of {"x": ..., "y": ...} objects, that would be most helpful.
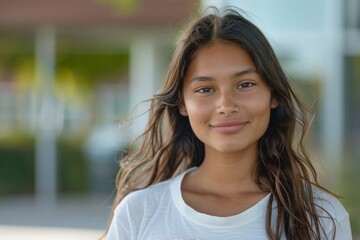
[{"x": 71, "y": 72}]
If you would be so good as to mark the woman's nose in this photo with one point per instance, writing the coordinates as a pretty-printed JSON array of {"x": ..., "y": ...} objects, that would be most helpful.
[{"x": 227, "y": 104}]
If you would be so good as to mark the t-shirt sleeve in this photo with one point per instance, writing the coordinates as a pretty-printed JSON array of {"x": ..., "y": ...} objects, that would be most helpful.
[
  {"x": 120, "y": 228},
  {"x": 340, "y": 225},
  {"x": 343, "y": 229}
]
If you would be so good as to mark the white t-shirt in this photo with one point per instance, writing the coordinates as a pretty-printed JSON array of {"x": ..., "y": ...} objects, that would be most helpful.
[{"x": 160, "y": 213}]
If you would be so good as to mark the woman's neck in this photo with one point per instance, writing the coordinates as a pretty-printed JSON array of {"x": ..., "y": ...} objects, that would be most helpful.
[{"x": 226, "y": 174}]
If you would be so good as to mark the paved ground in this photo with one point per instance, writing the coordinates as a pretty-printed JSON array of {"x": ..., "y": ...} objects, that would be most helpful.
[
  {"x": 72, "y": 217},
  {"x": 46, "y": 233}
]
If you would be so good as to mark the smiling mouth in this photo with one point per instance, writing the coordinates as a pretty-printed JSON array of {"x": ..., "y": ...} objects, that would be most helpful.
[{"x": 229, "y": 127}]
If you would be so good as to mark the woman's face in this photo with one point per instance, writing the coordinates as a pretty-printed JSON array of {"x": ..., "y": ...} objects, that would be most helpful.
[{"x": 226, "y": 100}]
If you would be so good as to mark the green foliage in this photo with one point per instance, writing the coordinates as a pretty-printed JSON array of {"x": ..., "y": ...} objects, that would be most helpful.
[
  {"x": 349, "y": 189},
  {"x": 122, "y": 6},
  {"x": 92, "y": 68},
  {"x": 73, "y": 170},
  {"x": 87, "y": 66},
  {"x": 17, "y": 168},
  {"x": 14, "y": 49}
]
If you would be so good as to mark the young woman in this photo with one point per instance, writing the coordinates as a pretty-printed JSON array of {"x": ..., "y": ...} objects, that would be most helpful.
[{"x": 217, "y": 158}]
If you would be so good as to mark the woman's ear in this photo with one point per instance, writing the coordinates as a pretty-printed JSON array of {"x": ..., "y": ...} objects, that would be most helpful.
[
  {"x": 274, "y": 102},
  {"x": 182, "y": 109}
]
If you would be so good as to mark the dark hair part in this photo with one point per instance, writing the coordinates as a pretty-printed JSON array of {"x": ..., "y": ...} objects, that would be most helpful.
[{"x": 169, "y": 146}]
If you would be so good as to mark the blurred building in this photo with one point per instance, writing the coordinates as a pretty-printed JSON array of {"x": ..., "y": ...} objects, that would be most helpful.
[
  {"x": 76, "y": 67},
  {"x": 143, "y": 32}
]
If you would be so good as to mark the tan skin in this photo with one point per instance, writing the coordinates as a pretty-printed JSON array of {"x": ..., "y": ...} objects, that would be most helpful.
[{"x": 228, "y": 105}]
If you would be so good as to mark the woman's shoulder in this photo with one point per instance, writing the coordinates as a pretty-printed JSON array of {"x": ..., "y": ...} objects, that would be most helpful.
[
  {"x": 329, "y": 204},
  {"x": 333, "y": 215},
  {"x": 156, "y": 191},
  {"x": 142, "y": 203},
  {"x": 152, "y": 192}
]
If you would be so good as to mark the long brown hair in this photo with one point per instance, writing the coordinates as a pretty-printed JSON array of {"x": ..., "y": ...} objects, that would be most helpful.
[{"x": 168, "y": 145}]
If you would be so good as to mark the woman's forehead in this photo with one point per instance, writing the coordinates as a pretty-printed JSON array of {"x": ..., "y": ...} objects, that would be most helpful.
[{"x": 220, "y": 56}]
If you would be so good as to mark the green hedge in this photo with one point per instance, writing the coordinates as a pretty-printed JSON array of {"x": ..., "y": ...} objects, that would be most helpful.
[
  {"x": 72, "y": 167},
  {"x": 17, "y": 168}
]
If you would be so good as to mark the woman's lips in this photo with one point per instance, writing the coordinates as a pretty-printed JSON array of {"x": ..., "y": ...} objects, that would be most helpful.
[{"x": 229, "y": 127}]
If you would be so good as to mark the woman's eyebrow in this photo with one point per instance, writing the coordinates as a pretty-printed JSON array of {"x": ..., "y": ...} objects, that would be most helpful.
[
  {"x": 202, "y": 79},
  {"x": 244, "y": 72},
  {"x": 235, "y": 75}
]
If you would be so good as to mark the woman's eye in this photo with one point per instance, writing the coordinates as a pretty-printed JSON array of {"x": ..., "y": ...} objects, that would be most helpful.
[
  {"x": 246, "y": 85},
  {"x": 204, "y": 90}
]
